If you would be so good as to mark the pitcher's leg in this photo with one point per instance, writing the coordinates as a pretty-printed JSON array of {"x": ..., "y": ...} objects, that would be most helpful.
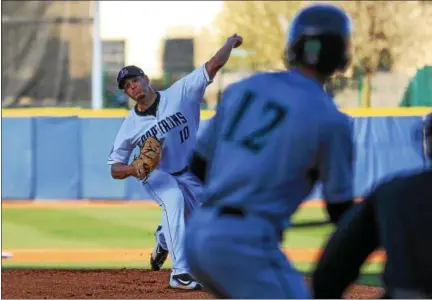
[
  {"x": 173, "y": 227},
  {"x": 160, "y": 252},
  {"x": 170, "y": 199},
  {"x": 173, "y": 230}
]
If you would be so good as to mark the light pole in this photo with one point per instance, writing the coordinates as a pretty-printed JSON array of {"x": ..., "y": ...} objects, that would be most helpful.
[{"x": 97, "y": 99}]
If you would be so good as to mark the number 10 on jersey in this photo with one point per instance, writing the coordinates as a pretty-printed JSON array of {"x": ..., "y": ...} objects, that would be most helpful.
[{"x": 184, "y": 134}]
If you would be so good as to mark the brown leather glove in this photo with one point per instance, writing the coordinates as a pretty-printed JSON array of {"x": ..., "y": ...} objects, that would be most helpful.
[{"x": 148, "y": 159}]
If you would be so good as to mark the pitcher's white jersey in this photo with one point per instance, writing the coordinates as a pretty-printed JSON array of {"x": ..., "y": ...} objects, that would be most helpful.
[{"x": 175, "y": 124}]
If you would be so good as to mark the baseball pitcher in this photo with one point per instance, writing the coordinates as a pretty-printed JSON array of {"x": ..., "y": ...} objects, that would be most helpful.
[
  {"x": 273, "y": 136},
  {"x": 164, "y": 125}
]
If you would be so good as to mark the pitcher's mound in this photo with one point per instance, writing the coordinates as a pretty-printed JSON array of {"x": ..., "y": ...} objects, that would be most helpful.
[{"x": 110, "y": 284}]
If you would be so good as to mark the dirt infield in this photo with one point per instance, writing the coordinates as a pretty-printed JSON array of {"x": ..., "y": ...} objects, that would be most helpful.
[
  {"x": 115, "y": 284},
  {"x": 111, "y": 284}
]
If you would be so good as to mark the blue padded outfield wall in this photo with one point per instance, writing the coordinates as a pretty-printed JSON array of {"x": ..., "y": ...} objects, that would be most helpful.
[{"x": 56, "y": 154}]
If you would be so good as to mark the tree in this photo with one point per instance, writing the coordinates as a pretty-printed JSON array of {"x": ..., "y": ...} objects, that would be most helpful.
[
  {"x": 207, "y": 41},
  {"x": 398, "y": 31},
  {"x": 261, "y": 25}
]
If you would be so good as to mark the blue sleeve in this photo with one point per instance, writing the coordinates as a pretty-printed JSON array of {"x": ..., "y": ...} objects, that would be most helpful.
[
  {"x": 122, "y": 148},
  {"x": 336, "y": 163},
  {"x": 120, "y": 153},
  {"x": 194, "y": 84}
]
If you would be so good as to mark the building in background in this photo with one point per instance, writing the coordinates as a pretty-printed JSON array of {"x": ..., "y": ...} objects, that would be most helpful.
[
  {"x": 144, "y": 35},
  {"x": 177, "y": 58},
  {"x": 113, "y": 59},
  {"x": 46, "y": 53}
]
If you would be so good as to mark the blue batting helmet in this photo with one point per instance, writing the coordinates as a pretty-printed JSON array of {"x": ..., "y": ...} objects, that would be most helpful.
[{"x": 318, "y": 37}]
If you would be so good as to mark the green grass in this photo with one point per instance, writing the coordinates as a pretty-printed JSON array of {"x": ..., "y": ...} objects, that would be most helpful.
[
  {"x": 113, "y": 227},
  {"x": 309, "y": 214},
  {"x": 93, "y": 227},
  {"x": 74, "y": 265},
  {"x": 123, "y": 227},
  {"x": 307, "y": 237}
]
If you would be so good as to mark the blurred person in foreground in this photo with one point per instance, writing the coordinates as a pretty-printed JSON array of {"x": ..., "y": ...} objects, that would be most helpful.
[
  {"x": 397, "y": 215},
  {"x": 273, "y": 136}
]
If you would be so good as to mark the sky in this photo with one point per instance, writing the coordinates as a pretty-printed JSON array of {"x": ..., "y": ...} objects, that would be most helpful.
[{"x": 144, "y": 23}]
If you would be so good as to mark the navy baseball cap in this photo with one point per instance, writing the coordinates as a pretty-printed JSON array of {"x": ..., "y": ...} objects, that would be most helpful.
[{"x": 128, "y": 72}]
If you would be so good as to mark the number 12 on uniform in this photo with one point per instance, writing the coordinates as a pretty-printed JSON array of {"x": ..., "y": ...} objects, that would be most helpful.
[
  {"x": 184, "y": 134},
  {"x": 255, "y": 141}
]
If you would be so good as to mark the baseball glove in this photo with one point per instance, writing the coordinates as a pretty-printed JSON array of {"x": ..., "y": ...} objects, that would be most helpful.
[{"x": 148, "y": 158}]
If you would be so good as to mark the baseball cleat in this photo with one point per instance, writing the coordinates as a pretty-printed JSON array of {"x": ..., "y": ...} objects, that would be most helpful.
[
  {"x": 184, "y": 282},
  {"x": 158, "y": 257},
  {"x": 159, "y": 254}
]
